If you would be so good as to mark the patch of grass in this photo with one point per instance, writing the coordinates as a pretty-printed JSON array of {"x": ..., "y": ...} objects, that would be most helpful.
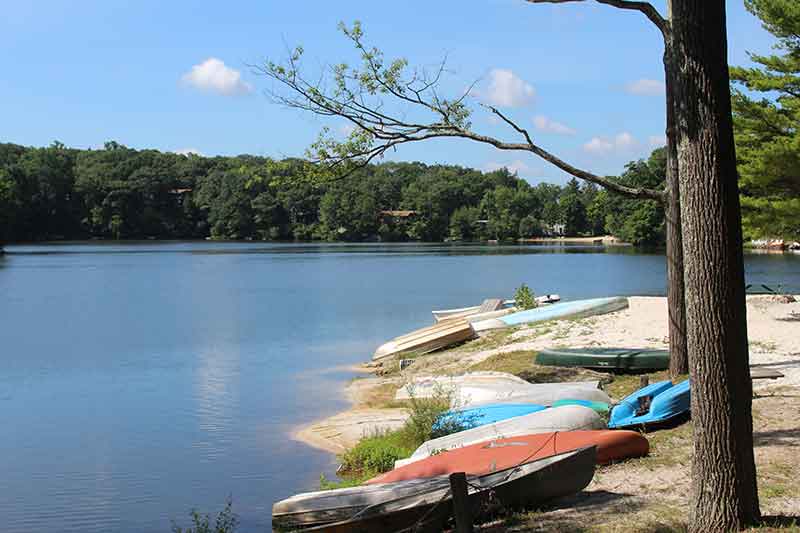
[
  {"x": 381, "y": 397},
  {"x": 521, "y": 364},
  {"x": 671, "y": 447},
  {"x": 489, "y": 340},
  {"x": 377, "y": 453}
]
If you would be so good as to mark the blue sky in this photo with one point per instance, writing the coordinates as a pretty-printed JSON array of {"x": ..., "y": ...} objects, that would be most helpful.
[{"x": 584, "y": 78}]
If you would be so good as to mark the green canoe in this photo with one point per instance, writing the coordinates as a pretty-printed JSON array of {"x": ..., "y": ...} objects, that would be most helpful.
[{"x": 616, "y": 359}]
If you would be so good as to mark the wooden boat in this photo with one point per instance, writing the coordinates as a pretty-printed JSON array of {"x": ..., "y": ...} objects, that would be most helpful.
[
  {"x": 558, "y": 311},
  {"x": 613, "y": 359},
  {"x": 566, "y": 418},
  {"x": 764, "y": 373},
  {"x": 428, "y": 339},
  {"x": 655, "y": 404},
  {"x": 488, "y": 306},
  {"x": 489, "y": 456},
  {"x": 325, "y": 506},
  {"x": 528, "y": 484}
]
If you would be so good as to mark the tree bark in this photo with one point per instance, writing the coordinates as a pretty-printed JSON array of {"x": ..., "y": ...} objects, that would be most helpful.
[
  {"x": 724, "y": 493},
  {"x": 678, "y": 353}
]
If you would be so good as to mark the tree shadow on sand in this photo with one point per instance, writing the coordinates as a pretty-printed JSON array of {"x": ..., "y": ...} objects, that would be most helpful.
[
  {"x": 777, "y": 437},
  {"x": 576, "y": 513}
]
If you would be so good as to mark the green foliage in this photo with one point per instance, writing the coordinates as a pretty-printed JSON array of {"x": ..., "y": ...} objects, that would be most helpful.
[
  {"x": 524, "y": 298},
  {"x": 225, "y": 522},
  {"x": 639, "y": 222},
  {"x": 766, "y": 110},
  {"x": 120, "y": 193},
  {"x": 376, "y": 454}
]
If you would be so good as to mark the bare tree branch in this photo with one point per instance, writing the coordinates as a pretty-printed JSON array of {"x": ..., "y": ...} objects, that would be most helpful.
[
  {"x": 357, "y": 96},
  {"x": 645, "y": 7}
]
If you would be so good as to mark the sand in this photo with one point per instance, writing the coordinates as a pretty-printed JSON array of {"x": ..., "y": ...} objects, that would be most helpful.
[{"x": 773, "y": 330}]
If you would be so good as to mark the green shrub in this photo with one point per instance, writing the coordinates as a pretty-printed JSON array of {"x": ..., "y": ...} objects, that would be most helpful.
[
  {"x": 525, "y": 298},
  {"x": 226, "y": 522},
  {"x": 377, "y": 453}
]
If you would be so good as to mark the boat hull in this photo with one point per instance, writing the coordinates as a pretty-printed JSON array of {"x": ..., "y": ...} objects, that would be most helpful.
[
  {"x": 566, "y": 418},
  {"x": 427, "y": 340},
  {"x": 614, "y": 359},
  {"x": 558, "y": 311},
  {"x": 530, "y": 483},
  {"x": 668, "y": 402},
  {"x": 497, "y": 454}
]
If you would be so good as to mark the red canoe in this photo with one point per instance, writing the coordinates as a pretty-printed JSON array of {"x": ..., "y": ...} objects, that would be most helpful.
[{"x": 490, "y": 456}]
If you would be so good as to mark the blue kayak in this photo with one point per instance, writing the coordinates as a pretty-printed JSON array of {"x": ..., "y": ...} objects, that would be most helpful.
[
  {"x": 559, "y": 311},
  {"x": 486, "y": 414},
  {"x": 667, "y": 401}
]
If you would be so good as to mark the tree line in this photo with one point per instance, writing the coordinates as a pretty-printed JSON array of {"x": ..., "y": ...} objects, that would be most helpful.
[{"x": 117, "y": 192}]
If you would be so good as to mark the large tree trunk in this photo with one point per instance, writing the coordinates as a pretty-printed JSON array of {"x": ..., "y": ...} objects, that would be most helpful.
[
  {"x": 678, "y": 353},
  {"x": 724, "y": 493}
]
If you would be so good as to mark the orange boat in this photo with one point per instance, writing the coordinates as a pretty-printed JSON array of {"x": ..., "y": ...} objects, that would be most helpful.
[{"x": 490, "y": 456}]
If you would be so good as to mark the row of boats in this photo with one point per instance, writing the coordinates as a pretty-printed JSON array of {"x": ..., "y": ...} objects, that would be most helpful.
[
  {"x": 525, "y": 452},
  {"x": 520, "y": 444},
  {"x": 454, "y": 326}
]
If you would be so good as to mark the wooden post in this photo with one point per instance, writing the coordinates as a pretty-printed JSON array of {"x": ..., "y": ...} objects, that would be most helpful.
[
  {"x": 644, "y": 381},
  {"x": 461, "y": 510}
]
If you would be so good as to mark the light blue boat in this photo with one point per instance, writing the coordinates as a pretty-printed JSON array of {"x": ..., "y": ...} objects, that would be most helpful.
[
  {"x": 485, "y": 414},
  {"x": 667, "y": 402},
  {"x": 576, "y": 309}
]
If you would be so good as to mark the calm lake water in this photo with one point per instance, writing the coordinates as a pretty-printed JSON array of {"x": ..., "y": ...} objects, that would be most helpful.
[{"x": 141, "y": 380}]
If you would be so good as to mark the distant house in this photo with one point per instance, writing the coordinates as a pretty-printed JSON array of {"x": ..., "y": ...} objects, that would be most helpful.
[
  {"x": 391, "y": 215},
  {"x": 180, "y": 193},
  {"x": 554, "y": 230}
]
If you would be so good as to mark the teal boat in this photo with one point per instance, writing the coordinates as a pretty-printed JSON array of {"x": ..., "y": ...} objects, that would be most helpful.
[
  {"x": 613, "y": 359},
  {"x": 485, "y": 414},
  {"x": 601, "y": 408}
]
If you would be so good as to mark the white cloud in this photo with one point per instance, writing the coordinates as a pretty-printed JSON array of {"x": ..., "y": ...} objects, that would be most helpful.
[
  {"x": 621, "y": 143},
  {"x": 599, "y": 146},
  {"x": 551, "y": 126},
  {"x": 187, "y": 151},
  {"x": 657, "y": 141},
  {"x": 645, "y": 87},
  {"x": 508, "y": 90},
  {"x": 624, "y": 141},
  {"x": 215, "y": 76}
]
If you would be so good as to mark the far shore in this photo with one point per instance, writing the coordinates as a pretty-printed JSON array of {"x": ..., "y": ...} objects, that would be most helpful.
[{"x": 606, "y": 240}]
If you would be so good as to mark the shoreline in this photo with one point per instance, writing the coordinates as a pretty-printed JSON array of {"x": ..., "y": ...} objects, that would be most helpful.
[{"x": 773, "y": 332}]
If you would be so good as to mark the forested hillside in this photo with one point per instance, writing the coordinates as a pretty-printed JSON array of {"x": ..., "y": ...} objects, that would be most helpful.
[{"x": 120, "y": 193}]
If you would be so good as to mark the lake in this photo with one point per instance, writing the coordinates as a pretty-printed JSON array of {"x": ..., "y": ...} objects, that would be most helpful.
[{"x": 141, "y": 380}]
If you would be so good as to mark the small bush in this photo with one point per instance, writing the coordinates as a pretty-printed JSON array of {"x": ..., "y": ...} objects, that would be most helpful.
[
  {"x": 376, "y": 454},
  {"x": 226, "y": 522},
  {"x": 525, "y": 298}
]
